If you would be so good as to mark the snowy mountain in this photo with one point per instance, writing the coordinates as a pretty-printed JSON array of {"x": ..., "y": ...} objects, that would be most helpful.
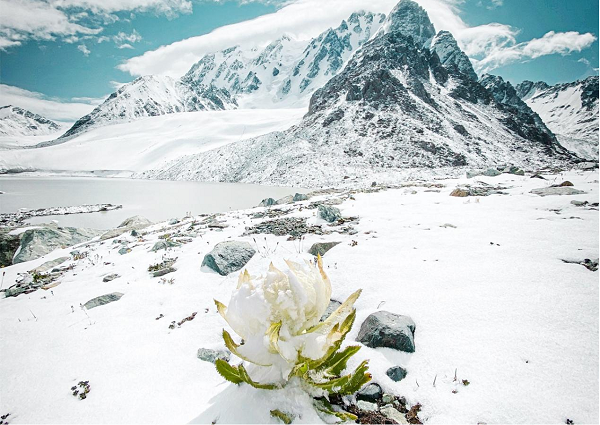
[
  {"x": 286, "y": 71},
  {"x": 570, "y": 110},
  {"x": 151, "y": 96},
  {"x": 395, "y": 106},
  {"x": 16, "y": 122}
]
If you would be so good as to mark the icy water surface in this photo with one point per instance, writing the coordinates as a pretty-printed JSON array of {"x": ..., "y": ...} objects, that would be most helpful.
[{"x": 153, "y": 199}]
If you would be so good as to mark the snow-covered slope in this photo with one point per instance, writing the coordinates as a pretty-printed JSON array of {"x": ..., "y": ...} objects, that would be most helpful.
[
  {"x": 151, "y": 96},
  {"x": 17, "y": 122},
  {"x": 570, "y": 110},
  {"x": 287, "y": 71},
  {"x": 150, "y": 142},
  {"x": 394, "y": 106}
]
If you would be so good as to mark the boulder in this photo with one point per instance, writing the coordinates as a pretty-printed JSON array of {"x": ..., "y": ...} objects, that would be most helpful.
[
  {"x": 565, "y": 184},
  {"x": 385, "y": 329},
  {"x": 371, "y": 393},
  {"x": 49, "y": 265},
  {"x": 124, "y": 250},
  {"x": 320, "y": 248},
  {"x": 285, "y": 200},
  {"x": 300, "y": 197},
  {"x": 210, "y": 355},
  {"x": 328, "y": 213},
  {"x": 563, "y": 190},
  {"x": 267, "y": 202},
  {"x": 132, "y": 223},
  {"x": 9, "y": 244},
  {"x": 471, "y": 174},
  {"x": 396, "y": 373},
  {"x": 227, "y": 257},
  {"x": 491, "y": 172},
  {"x": 103, "y": 299},
  {"x": 514, "y": 170},
  {"x": 36, "y": 243},
  {"x": 164, "y": 244},
  {"x": 461, "y": 193}
]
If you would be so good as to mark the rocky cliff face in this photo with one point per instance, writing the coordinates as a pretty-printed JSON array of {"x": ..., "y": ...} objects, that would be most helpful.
[{"x": 15, "y": 121}]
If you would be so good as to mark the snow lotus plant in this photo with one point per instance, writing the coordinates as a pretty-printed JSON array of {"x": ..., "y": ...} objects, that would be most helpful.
[{"x": 278, "y": 317}]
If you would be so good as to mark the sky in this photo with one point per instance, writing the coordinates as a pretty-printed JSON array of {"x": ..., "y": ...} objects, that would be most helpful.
[{"x": 60, "y": 58}]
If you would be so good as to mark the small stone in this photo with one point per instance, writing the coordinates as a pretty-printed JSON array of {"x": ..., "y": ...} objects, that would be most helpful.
[
  {"x": 210, "y": 355},
  {"x": 373, "y": 184},
  {"x": 371, "y": 393},
  {"x": 446, "y": 225},
  {"x": 461, "y": 193},
  {"x": 328, "y": 213},
  {"x": 392, "y": 413},
  {"x": 102, "y": 300},
  {"x": 110, "y": 277},
  {"x": 163, "y": 272},
  {"x": 387, "y": 398},
  {"x": 579, "y": 203},
  {"x": 396, "y": 373},
  {"x": 124, "y": 250},
  {"x": 367, "y": 406},
  {"x": 320, "y": 248}
]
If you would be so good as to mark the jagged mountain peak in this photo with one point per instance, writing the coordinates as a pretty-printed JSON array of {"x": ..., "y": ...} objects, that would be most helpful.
[
  {"x": 410, "y": 19},
  {"x": 16, "y": 121},
  {"x": 451, "y": 56},
  {"x": 527, "y": 88}
]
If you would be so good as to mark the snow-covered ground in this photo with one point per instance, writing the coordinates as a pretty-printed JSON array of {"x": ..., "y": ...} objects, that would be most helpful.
[
  {"x": 491, "y": 299},
  {"x": 151, "y": 142}
]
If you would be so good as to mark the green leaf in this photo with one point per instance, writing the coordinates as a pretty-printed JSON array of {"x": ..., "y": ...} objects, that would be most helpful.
[
  {"x": 357, "y": 379},
  {"x": 286, "y": 418},
  {"x": 230, "y": 373},
  {"x": 337, "y": 363},
  {"x": 246, "y": 378},
  {"x": 322, "y": 405},
  {"x": 233, "y": 347}
]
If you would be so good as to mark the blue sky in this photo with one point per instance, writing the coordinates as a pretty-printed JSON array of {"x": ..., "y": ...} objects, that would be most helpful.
[{"x": 77, "y": 53}]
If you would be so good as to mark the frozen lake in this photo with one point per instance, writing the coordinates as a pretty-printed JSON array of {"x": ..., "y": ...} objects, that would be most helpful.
[{"x": 153, "y": 199}]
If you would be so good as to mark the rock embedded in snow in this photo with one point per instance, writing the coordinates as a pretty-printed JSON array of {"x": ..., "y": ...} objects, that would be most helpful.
[
  {"x": 228, "y": 257},
  {"x": 565, "y": 184},
  {"x": 491, "y": 172},
  {"x": 328, "y": 213},
  {"x": 333, "y": 305},
  {"x": 396, "y": 373},
  {"x": 300, "y": 197},
  {"x": 511, "y": 169},
  {"x": 320, "y": 248},
  {"x": 267, "y": 202},
  {"x": 385, "y": 329},
  {"x": 36, "y": 243},
  {"x": 371, "y": 393},
  {"x": 164, "y": 244},
  {"x": 102, "y": 300},
  {"x": 285, "y": 200},
  {"x": 49, "y": 265},
  {"x": 366, "y": 406},
  {"x": 110, "y": 277},
  {"x": 132, "y": 223},
  {"x": 392, "y": 413},
  {"x": 461, "y": 193},
  {"x": 210, "y": 355},
  {"x": 550, "y": 191}
]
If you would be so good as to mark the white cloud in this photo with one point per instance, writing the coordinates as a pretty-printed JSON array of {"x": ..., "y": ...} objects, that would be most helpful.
[
  {"x": 124, "y": 40},
  {"x": 116, "y": 85},
  {"x": 125, "y": 46},
  {"x": 83, "y": 49},
  {"x": 54, "y": 109},
  {"x": 57, "y": 19}
]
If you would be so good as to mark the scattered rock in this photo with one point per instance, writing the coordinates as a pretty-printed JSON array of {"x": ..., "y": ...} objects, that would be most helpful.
[
  {"x": 300, "y": 197},
  {"x": 328, "y": 213},
  {"x": 163, "y": 272},
  {"x": 563, "y": 190},
  {"x": 514, "y": 170},
  {"x": 294, "y": 227},
  {"x": 371, "y": 393},
  {"x": 132, "y": 223},
  {"x": 392, "y": 413},
  {"x": 267, "y": 202},
  {"x": 491, "y": 172},
  {"x": 36, "y": 243},
  {"x": 461, "y": 193},
  {"x": 49, "y": 265},
  {"x": 210, "y": 355},
  {"x": 366, "y": 406},
  {"x": 124, "y": 250},
  {"x": 385, "y": 329},
  {"x": 102, "y": 300},
  {"x": 164, "y": 244},
  {"x": 333, "y": 306},
  {"x": 387, "y": 398},
  {"x": 227, "y": 257},
  {"x": 396, "y": 373},
  {"x": 110, "y": 277},
  {"x": 320, "y": 248}
]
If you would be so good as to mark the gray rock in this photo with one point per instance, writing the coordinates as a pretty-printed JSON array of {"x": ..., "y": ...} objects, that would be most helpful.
[
  {"x": 267, "y": 202},
  {"x": 209, "y": 355},
  {"x": 102, "y": 300},
  {"x": 285, "y": 200},
  {"x": 371, "y": 393},
  {"x": 164, "y": 244},
  {"x": 110, "y": 277},
  {"x": 366, "y": 406},
  {"x": 385, "y": 329},
  {"x": 14, "y": 291},
  {"x": 329, "y": 213},
  {"x": 579, "y": 203},
  {"x": 36, "y": 243},
  {"x": 396, "y": 373},
  {"x": 132, "y": 223},
  {"x": 563, "y": 190},
  {"x": 333, "y": 305},
  {"x": 124, "y": 250},
  {"x": 491, "y": 172},
  {"x": 49, "y": 265},
  {"x": 227, "y": 257},
  {"x": 320, "y": 248},
  {"x": 392, "y": 413},
  {"x": 300, "y": 197},
  {"x": 514, "y": 170},
  {"x": 388, "y": 398},
  {"x": 9, "y": 244},
  {"x": 164, "y": 271},
  {"x": 471, "y": 174}
]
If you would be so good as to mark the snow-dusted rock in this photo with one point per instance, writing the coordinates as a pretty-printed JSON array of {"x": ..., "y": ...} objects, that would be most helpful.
[
  {"x": 371, "y": 393},
  {"x": 409, "y": 19},
  {"x": 102, "y": 300},
  {"x": 385, "y": 329},
  {"x": 110, "y": 277},
  {"x": 15, "y": 121},
  {"x": 9, "y": 244},
  {"x": 210, "y": 355},
  {"x": 560, "y": 190},
  {"x": 300, "y": 197},
  {"x": 49, "y": 265},
  {"x": 451, "y": 57},
  {"x": 392, "y": 413},
  {"x": 228, "y": 257},
  {"x": 41, "y": 241},
  {"x": 367, "y": 406},
  {"x": 136, "y": 222},
  {"x": 396, "y": 373},
  {"x": 320, "y": 248},
  {"x": 267, "y": 202},
  {"x": 329, "y": 213}
]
